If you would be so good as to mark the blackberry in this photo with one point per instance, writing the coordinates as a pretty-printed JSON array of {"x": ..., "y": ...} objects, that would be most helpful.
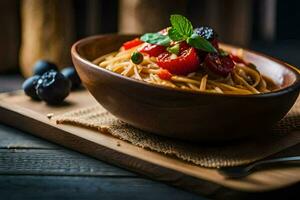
[
  {"x": 42, "y": 66},
  {"x": 71, "y": 74},
  {"x": 53, "y": 87},
  {"x": 29, "y": 86},
  {"x": 206, "y": 32}
]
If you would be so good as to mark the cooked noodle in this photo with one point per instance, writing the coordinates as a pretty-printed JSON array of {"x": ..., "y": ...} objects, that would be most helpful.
[{"x": 244, "y": 79}]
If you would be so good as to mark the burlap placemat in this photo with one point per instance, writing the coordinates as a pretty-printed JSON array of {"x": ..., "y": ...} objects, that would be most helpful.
[{"x": 284, "y": 135}]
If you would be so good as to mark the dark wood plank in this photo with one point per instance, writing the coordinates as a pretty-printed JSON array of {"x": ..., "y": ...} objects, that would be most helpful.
[
  {"x": 21, "y": 153},
  {"x": 11, "y": 138},
  {"x": 52, "y": 187},
  {"x": 55, "y": 162},
  {"x": 40, "y": 162}
]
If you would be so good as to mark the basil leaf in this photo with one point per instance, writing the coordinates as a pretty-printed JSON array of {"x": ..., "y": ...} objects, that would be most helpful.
[
  {"x": 174, "y": 35},
  {"x": 165, "y": 41},
  {"x": 174, "y": 49},
  {"x": 200, "y": 43},
  {"x": 182, "y": 25},
  {"x": 156, "y": 38}
]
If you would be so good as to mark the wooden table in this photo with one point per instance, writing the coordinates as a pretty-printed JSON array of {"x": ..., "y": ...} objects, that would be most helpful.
[{"x": 31, "y": 168}]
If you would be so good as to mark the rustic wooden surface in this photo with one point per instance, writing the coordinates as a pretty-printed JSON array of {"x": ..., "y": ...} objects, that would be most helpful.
[
  {"x": 29, "y": 161},
  {"x": 19, "y": 108},
  {"x": 32, "y": 168}
]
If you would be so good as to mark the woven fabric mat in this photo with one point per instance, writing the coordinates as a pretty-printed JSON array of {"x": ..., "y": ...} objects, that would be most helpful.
[{"x": 285, "y": 134}]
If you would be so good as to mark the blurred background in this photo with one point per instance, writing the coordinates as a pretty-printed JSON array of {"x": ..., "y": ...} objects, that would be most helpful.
[{"x": 46, "y": 29}]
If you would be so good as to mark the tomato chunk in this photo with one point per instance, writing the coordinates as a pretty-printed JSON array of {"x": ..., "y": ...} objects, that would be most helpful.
[
  {"x": 164, "y": 74},
  {"x": 153, "y": 50},
  {"x": 237, "y": 59},
  {"x": 185, "y": 62},
  {"x": 132, "y": 43}
]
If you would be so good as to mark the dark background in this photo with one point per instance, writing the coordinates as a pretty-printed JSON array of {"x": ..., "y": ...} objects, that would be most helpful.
[{"x": 270, "y": 26}]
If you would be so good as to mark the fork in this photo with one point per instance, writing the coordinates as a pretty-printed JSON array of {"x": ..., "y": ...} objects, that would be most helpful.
[{"x": 245, "y": 170}]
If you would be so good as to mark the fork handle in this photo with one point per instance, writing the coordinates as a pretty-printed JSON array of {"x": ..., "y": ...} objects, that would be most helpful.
[{"x": 275, "y": 160}]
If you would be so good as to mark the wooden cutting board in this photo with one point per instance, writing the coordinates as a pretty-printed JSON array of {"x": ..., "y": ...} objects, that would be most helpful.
[{"x": 19, "y": 111}]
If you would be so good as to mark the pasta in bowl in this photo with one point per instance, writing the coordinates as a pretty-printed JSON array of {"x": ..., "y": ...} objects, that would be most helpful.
[
  {"x": 183, "y": 111},
  {"x": 244, "y": 78}
]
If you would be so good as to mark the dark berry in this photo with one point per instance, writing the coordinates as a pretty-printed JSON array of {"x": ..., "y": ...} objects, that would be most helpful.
[
  {"x": 29, "y": 86},
  {"x": 219, "y": 65},
  {"x": 71, "y": 74},
  {"x": 53, "y": 87},
  {"x": 42, "y": 66},
  {"x": 206, "y": 32}
]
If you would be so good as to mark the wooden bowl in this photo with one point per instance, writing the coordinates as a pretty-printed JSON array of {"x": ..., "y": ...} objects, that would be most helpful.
[{"x": 182, "y": 114}]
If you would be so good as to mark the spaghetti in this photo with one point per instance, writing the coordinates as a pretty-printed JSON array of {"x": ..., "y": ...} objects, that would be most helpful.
[{"x": 244, "y": 79}]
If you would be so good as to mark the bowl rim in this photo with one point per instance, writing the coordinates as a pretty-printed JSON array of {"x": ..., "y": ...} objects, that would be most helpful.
[{"x": 294, "y": 86}]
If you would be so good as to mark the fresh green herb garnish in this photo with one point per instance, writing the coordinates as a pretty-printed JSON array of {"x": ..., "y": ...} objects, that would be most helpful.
[
  {"x": 174, "y": 35},
  {"x": 137, "y": 57},
  {"x": 174, "y": 49},
  {"x": 181, "y": 30},
  {"x": 181, "y": 27},
  {"x": 200, "y": 43},
  {"x": 156, "y": 38}
]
